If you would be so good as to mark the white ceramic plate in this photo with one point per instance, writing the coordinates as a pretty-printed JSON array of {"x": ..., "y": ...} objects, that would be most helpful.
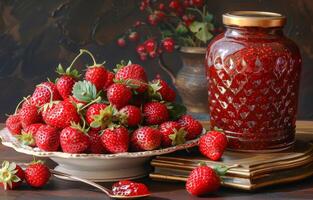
[{"x": 97, "y": 167}]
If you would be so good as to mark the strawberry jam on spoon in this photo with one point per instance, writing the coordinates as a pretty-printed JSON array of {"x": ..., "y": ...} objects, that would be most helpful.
[{"x": 129, "y": 188}]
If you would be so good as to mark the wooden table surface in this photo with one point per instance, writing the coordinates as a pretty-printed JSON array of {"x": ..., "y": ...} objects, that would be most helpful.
[{"x": 67, "y": 190}]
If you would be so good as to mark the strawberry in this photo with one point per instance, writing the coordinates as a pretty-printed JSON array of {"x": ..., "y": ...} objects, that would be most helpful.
[
  {"x": 11, "y": 175},
  {"x": 44, "y": 93},
  {"x": 155, "y": 113},
  {"x": 202, "y": 180},
  {"x": 115, "y": 140},
  {"x": 134, "y": 74},
  {"x": 213, "y": 144},
  {"x": 130, "y": 115},
  {"x": 97, "y": 75},
  {"x": 160, "y": 90},
  {"x": 94, "y": 110},
  {"x": 109, "y": 81},
  {"x": 172, "y": 134},
  {"x": 13, "y": 124},
  {"x": 119, "y": 95},
  {"x": 145, "y": 139},
  {"x": 61, "y": 114},
  {"x": 29, "y": 115},
  {"x": 47, "y": 138},
  {"x": 129, "y": 188},
  {"x": 191, "y": 125},
  {"x": 95, "y": 142},
  {"x": 65, "y": 85},
  {"x": 37, "y": 174},
  {"x": 29, "y": 134},
  {"x": 73, "y": 139}
]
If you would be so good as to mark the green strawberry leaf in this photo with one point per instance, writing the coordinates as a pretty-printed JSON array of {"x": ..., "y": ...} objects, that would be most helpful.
[
  {"x": 84, "y": 91},
  {"x": 221, "y": 170},
  {"x": 201, "y": 30}
]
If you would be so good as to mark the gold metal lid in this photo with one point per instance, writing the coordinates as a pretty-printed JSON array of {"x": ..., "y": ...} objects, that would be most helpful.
[{"x": 254, "y": 19}]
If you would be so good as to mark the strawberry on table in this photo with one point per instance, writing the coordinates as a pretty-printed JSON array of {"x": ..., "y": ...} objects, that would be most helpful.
[
  {"x": 145, "y": 139},
  {"x": 129, "y": 188},
  {"x": 47, "y": 138},
  {"x": 155, "y": 113},
  {"x": 74, "y": 139},
  {"x": 130, "y": 115},
  {"x": 37, "y": 174},
  {"x": 11, "y": 175},
  {"x": 213, "y": 144},
  {"x": 172, "y": 134},
  {"x": 119, "y": 95},
  {"x": 14, "y": 125},
  {"x": 44, "y": 93},
  {"x": 115, "y": 139},
  {"x": 95, "y": 142},
  {"x": 191, "y": 125}
]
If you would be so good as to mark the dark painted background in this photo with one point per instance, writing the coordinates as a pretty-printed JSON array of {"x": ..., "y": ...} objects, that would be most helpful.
[{"x": 37, "y": 35}]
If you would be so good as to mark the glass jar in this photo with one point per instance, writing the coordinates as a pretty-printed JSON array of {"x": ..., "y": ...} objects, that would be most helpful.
[{"x": 253, "y": 73}]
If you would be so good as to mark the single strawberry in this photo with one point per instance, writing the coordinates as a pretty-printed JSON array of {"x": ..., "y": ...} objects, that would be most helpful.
[
  {"x": 67, "y": 80},
  {"x": 47, "y": 138},
  {"x": 172, "y": 134},
  {"x": 13, "y": 124},
  {"x": 191, "y": 125},
  {"x": 213, "y": 144},
  {"x": 119, "y": 95},
  {"x": 28, "y": 134},
  {"x": 109, "y": 81},
  {"x": 145, "y": 139},
  {"x": 202, "y": 180},
  {"x": 160, "y": 90},
  {"x": 74, "y": 139},
  {"x": 29, "y": 115},
  {"x": 95, "y": 142},
  {"x": 130, "y": 115},
  {"x": 115, "y": 140},
  {"x": 96, "y": 73},
  {"x": 44, "y": 93},
  {"x": 129, "y": 188},
  {"x": 11, "y": 175},
  {"x": 37, "y": 175},
  {"x": 134, "y": 74},
  {"x": 94, "y": 110},
  {"x": 61, "y": 114},
  {"x": 155, "y": 113}
]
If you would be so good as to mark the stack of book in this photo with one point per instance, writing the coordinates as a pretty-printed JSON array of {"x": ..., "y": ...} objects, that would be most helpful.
[{"x": 251, "y": 171}]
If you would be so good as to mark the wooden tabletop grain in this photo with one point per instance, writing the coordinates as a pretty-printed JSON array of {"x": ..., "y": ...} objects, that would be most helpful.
[{"x": 67, "y": 190}]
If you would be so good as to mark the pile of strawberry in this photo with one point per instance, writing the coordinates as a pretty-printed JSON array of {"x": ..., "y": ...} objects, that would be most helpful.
[{"x": 107, "y": 112}]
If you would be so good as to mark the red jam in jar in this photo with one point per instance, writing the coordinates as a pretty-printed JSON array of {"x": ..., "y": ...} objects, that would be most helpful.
[{"x": 253, "y": 75}]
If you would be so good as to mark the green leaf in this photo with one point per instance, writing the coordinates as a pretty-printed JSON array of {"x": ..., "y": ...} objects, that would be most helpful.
[
  {"x": 177, "y": 111},
  {"x": 221, "y": 170},
  {"x": 201, "y": 30},
  {"x": 181, "y": 29},
  {"x": 84, "y": 91},
  {"x": 208, "y": 17},
  {"x": 166, "y": 33},
  {"x": 204, "y": 35}
]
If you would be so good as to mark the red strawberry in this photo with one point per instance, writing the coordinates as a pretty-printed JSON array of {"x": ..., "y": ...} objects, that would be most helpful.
[
  {"x": 119, "y": 95},
  {"x": 37, "y": 175},
  {"x": 47, "y": 138},
  {"x": 202, "y": 180},
  {"x": 29, "y": 134},
  {"x": 29, "y": 115},
  {"x": 74, "y": 140},
  {"x": 95, "y": 142},
  {"x": 61, "y": 115},
  {"x": 192, "y": 126},
  {"x": 172, "y": 134},
  {"x": 97, "y": 75},
  {"x": 129, "y": 188},
  {"x": 94, "y": 110},
  {"x": 43, "y": 92},
  {"x": 135, "y": 75},
  {"x": 145, "y": 139},
  {"x": 11, "y": 175},
  {"x": 115, "y": 140},
  {"x": 13, "y": 124},
  {"x": 161, "y": 90},
  {"x": 109, "y": 81},
  {"x": 213, "y": 145},
  {"x": 130, "y": 115},
  {"x": 155, "y": 113}
]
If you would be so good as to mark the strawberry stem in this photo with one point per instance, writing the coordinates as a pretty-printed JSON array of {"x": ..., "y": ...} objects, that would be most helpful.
[
  {"x": 19, "y": 104},
  {"x": 90, "y": 54},
  {"x": 48, "y": 88},
  {"x": 75, "y": 59},
  {"x": 88, "y": 104}
]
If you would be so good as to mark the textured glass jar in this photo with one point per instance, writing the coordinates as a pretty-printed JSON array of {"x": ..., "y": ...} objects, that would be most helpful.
[{"x": 253, "y": 75}]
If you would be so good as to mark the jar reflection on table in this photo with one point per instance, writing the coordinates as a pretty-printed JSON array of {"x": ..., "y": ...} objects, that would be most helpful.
[{"x": 253, "y": 79}]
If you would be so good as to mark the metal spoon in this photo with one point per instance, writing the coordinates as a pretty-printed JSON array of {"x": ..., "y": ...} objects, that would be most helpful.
[{"x": 100, "y": 187}]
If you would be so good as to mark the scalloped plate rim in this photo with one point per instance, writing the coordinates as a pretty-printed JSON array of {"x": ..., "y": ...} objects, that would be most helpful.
[{"x": 30, "y": 151}]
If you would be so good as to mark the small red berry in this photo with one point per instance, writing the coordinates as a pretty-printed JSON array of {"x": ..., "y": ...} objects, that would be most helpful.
[
  {"x": 141, "y": 49},
  {"x": 134, "y": 36},
  {"x": 168, "y": 44},
  {"x": 150, "y": 45},
  {"x": 121, "y": 42}
]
